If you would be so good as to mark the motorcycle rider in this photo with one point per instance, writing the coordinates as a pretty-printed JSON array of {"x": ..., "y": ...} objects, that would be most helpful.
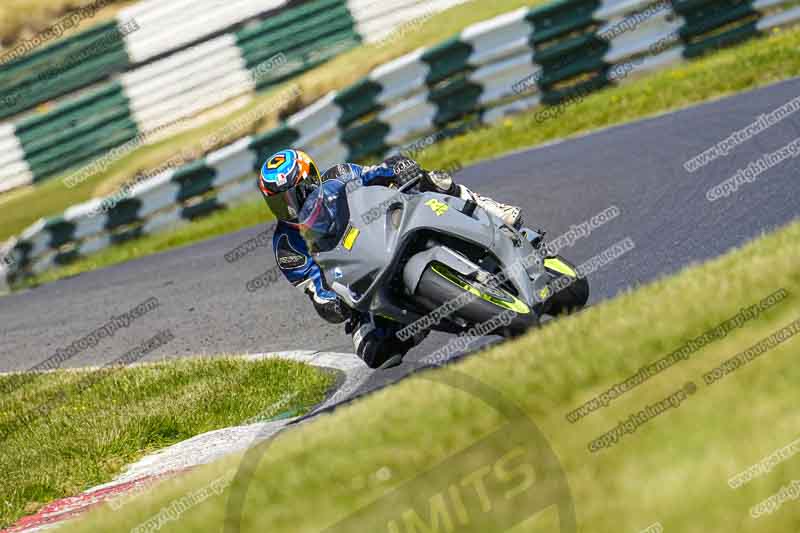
[{"x": 287, "y": 179}]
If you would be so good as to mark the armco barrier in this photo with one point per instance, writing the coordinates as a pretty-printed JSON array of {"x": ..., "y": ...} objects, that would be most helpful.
[
  {"x": 183, "y": 66},
  {"x": 511, "y": 63}
]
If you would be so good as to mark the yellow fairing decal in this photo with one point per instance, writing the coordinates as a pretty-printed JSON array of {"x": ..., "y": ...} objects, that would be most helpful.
[
  {"x": 544, "y": 294},
  {"x": 440, "y": 208},
  {"x": 516, "y": 305},
  {"x": 350, "y": 238},
  {"x": 560, "y": 266}
]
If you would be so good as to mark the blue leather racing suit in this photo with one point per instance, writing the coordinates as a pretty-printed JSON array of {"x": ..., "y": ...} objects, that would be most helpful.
[{"x": 291, "y": 251}]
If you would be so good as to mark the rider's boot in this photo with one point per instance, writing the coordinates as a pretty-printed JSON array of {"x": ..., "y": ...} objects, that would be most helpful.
[
  {"x": 377, "y": 343},
  {"x": 509, "y": 214},
  {"x": 443, "y": 183}
]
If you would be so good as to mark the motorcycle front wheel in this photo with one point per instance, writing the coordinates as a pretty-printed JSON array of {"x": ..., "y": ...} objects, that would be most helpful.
[{"x": 575, "y": 293}]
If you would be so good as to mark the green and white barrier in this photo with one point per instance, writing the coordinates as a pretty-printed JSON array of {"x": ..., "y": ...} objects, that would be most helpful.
[
  {"x": 137, "y": 35},
  {"x": 169, "y": 26},
  {"x": 514, "y": 62},
  {"x": 376, "y": 21},
  {"x": 172, "y": 78},
  {"x": 68, "y": 65},
  {"x": 14, "y": 170}
]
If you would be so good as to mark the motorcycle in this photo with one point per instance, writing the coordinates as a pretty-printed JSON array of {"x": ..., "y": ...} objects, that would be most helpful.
[{"x": 402, "y": 254}]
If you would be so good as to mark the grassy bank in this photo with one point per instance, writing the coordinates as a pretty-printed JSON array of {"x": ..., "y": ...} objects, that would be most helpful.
[
  {"x": 91, "y": 433},
  {"x": 673, "y": 469},
  {"x": 738, "y": 69},
  {"x": 23, "y": 19},
  {"x": 21, "y": 208},
  {"x": 742, "y": 68}
]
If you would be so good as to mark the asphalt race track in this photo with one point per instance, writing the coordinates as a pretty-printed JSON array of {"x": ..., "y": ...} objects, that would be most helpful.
[{"x": 636, "y": 167}]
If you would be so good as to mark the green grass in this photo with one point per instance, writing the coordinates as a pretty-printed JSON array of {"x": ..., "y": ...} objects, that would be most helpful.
[
  {"x": 672, "y": 470},
  {"x": 89, "y": 436},
  {"x": 745, "y": 67},
  {"x": 22, "y": 19},
  {"x": 21, "y": 208},
  {"x": 738, "y": 69}
]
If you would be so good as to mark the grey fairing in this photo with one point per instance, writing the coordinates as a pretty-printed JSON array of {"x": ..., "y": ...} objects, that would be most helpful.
[
  {"x": 412, "y": 273},
  {"x": 380, "y": 245}
]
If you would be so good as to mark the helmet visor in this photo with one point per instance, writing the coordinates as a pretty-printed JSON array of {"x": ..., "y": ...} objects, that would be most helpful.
[
  {"x": 284, "y": 205},
  {"x": 287, "y": 205},
  {"x": 324, "y": 216}
]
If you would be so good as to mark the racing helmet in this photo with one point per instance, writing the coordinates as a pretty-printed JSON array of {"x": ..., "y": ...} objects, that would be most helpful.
[{"x": 287, "y": 178}]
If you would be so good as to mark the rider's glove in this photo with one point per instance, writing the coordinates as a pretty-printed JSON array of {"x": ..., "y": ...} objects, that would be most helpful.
[{"x": 405, "y": 169}]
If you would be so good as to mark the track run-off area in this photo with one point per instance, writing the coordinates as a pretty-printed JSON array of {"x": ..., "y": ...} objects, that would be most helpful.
[{"x": 638, "y": 169}]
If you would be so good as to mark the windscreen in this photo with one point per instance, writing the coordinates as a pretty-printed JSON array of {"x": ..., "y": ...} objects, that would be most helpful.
[{"x": 324, "y": 216}]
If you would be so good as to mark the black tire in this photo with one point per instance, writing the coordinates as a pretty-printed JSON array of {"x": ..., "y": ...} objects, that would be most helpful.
[
  {"x": 570, "y": 299},
  {"x": 435, "y": 290}
]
